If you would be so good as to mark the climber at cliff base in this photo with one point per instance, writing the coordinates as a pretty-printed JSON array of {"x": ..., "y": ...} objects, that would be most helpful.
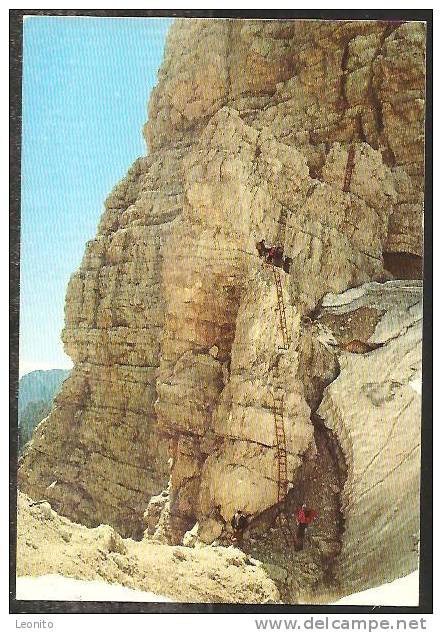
[
  {"x": 239, "y": 523},
  {"x": 304, "y": 517}
]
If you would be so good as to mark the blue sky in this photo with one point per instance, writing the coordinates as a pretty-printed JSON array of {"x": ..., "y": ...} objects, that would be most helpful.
[{"x": 86, "y": 84}]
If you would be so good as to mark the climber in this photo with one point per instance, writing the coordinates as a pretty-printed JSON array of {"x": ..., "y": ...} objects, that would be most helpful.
[
  {"x": 278, "y": 257},
  {"x": 287, "y": 263},
  {"x": 262, "y": 248},
  {"x": 274, "y": 255},
  {"x": 304, "y": 518},
  {"x": 239, "y": 523},
  {"x": 271, "y": 254}
]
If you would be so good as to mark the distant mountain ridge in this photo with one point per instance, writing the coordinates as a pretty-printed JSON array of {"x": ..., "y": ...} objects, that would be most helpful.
[
  {"x": 39, "y": 385},
  {"x": 36, "y": 392}
]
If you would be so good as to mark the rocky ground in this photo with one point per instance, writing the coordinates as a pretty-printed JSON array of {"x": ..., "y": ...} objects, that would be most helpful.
[
  {"x": 306, "y": 574},
  {"x": 50, "y": 544}
]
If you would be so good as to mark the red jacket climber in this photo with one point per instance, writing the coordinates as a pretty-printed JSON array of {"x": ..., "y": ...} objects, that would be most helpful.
[
  {"x": 306, "y": 516},
  {"x": 271, "y": 254}
]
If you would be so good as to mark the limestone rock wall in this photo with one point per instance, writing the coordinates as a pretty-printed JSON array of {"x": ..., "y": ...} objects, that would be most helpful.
[
  {"x": 312, "y": 84},
  {"x": 171, "y": 320},
  {"x": 240, "y": 184},
  {"x": 98, "y": 457}
]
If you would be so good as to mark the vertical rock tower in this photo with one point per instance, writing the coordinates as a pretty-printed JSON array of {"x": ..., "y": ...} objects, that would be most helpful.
[{"x": 171, "y": 320}]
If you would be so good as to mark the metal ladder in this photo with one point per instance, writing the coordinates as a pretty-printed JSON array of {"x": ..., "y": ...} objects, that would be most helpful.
[
  {"x": 278, "y": 415},
  {"x": 349, "y": 168},
  {"x": 281, "y": 309},
  {"x": 278, "y": 400},
  {"x": 281, "y": 446},
  {"x": 283, "y": 483}
]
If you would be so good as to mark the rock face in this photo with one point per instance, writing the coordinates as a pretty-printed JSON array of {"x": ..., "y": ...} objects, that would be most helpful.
[
  {"x": 172, "y": 319},
  {"x": 374, "y": 408}
]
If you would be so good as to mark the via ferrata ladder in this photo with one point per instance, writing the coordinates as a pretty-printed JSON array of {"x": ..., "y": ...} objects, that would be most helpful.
[
  {"x": 283, "y": 483},
  {"x": 349, "y": 168},
  {"x": 281, "y": 309},
  {"x": 278, "y": 415},
  {"x": 281, "y": 446},
  {"x": 278, "y": 401}
]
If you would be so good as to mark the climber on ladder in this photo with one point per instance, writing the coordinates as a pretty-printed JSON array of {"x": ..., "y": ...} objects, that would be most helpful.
[
  {"x": 271, "y": 254},
  {"x": 262, "y": 248},
  {"x": 268, "y": 252},
  {"x": 286, "y": 264},
  {"x": 304, "y": 517},
  {"x": 274, "y": 256}
]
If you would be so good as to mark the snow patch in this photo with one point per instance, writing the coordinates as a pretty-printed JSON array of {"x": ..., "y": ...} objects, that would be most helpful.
[
  {"x": 56, "y": 587},
  {"x": 346, "y": 297},
  {"x": 403, "y": 592},
  {"x": 378, "y": 290}
]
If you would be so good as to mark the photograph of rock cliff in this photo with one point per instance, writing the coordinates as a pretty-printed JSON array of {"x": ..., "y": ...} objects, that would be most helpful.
[{"x": 240, "y": 418}]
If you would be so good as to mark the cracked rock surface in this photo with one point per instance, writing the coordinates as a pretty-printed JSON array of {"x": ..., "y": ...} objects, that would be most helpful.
[{"x": 171, "y": 319}]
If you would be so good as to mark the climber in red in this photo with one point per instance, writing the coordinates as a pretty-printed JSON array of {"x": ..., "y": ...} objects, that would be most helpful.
[
  {"x": 271, "y": 254},
  {"x": 274, "y": 256},
  {"x": 304, "y": 517}
]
